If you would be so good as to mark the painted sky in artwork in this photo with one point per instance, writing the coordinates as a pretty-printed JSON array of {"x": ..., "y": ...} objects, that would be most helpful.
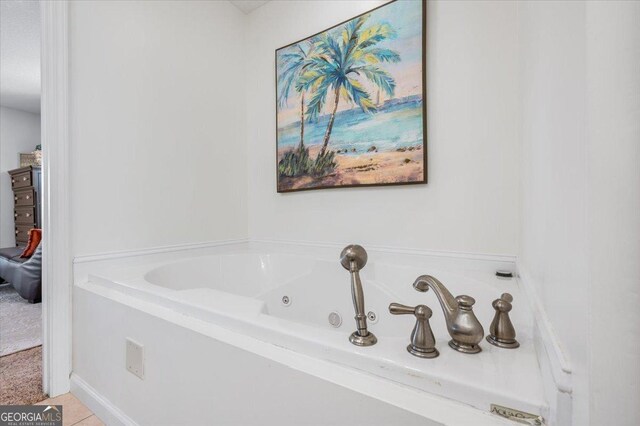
[{"x": 405, "y": 16}]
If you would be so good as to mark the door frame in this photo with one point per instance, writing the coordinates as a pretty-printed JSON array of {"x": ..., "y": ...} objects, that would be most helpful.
[{"x": 56, "y": 268}]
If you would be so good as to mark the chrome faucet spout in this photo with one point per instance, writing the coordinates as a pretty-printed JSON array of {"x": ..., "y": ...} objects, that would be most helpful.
[
  {"x": 463, "y": 326},
  {"x": 447, "y": 302}
]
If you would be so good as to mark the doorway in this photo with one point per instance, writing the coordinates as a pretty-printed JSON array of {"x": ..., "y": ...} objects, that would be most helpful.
[
  {"x": 54, "y": 200},
  {"x": 21, "y": 207}
]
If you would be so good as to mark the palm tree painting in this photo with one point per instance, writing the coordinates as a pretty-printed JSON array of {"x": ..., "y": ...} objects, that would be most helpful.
[{"x": 350, "y": 103}]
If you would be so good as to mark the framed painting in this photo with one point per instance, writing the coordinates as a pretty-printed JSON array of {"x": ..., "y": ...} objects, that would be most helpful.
[{"x": 350, "y": 103}]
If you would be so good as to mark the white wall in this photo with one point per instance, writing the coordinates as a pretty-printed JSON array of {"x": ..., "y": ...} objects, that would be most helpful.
[
  {"x": 613, "y": 152},
  {"x": 158, "y": 152},
  {"x": 554, "y": 186},
  {"x": 19, "y": 132},
  {"x": 580, "y": 117},
  {"x": 471, "y": 203},
  {"x": 173, "y": 140}
]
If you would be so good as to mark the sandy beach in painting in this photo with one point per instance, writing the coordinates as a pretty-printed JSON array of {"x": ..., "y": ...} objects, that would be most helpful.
[{"x": 405, "y": 165}]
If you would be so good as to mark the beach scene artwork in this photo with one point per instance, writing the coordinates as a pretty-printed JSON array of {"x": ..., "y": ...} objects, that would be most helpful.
[{"x": 350, "y": 103}]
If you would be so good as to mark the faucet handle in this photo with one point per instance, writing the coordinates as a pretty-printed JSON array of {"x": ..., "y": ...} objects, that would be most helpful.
[
  {"x": 504, "y": 303},
  {"x": 399, "y": 309},
  {"x": 423, "y": 344},
  {"x": 501, "y": 332}
]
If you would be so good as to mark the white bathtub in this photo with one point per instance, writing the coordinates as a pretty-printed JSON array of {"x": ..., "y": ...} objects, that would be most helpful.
[{"x": 240, "y": 288}]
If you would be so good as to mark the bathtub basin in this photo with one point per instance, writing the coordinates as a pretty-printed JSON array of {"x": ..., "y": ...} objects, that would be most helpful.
[{"x": 285, "y": 295}]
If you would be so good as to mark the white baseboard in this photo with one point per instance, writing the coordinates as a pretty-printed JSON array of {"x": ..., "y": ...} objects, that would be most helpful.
[{"x": 104, "y": 409}]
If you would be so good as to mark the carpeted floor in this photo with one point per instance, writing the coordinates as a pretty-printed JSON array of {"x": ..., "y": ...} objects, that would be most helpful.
[
  {"x": 21, "y": 377},
  {"x": 20, "y": 322}
]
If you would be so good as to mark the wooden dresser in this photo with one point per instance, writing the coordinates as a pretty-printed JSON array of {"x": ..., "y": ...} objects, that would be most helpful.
[{"x": 26, "y": 183}]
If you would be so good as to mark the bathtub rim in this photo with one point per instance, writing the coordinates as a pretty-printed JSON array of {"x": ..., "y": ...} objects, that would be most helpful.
[{"x": 235, "y": 247}]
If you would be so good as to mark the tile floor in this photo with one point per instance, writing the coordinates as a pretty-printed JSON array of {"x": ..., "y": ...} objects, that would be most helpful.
[{"x": 74, "y": 412}]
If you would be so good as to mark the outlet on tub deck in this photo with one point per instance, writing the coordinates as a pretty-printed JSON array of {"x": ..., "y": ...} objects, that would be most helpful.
[{"x": 135, "y": 358}]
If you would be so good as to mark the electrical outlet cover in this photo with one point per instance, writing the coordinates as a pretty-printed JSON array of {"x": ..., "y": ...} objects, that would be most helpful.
[{"x": 135, "y": 358}]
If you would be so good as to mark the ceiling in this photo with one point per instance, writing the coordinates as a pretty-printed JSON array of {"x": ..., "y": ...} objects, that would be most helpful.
[
  {"x": 20, "y": 55},
  {"x": 248, "y": 6}
]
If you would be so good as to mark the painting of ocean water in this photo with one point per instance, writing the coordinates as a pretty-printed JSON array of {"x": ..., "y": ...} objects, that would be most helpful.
[{"x": 350, "y": 103}]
